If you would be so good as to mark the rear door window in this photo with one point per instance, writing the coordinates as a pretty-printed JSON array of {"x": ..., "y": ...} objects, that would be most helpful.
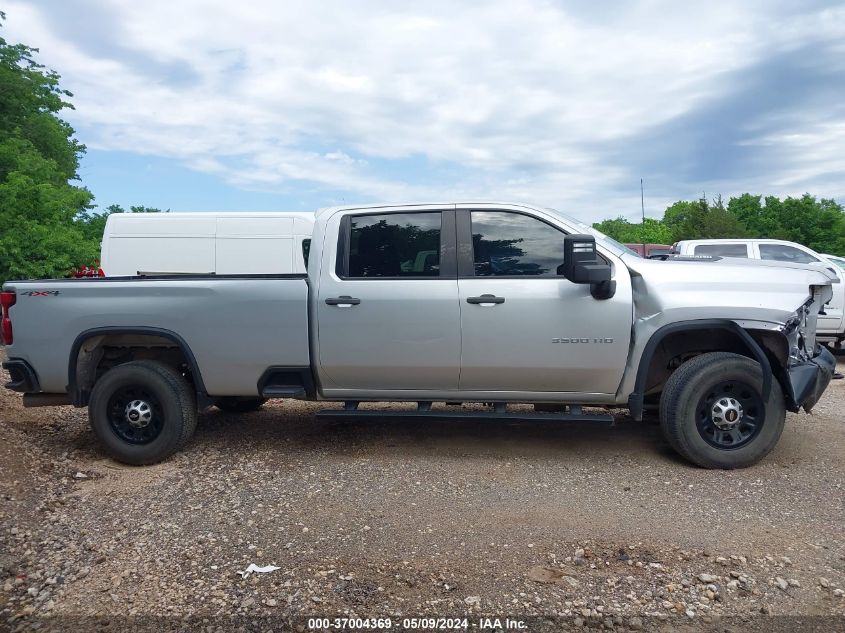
[
  {"x": 393, "y": 245},
  {"x": 722, "y": 250}
]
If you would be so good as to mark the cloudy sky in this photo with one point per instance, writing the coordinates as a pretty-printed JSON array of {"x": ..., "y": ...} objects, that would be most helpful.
[{"x": 266, "y": 104}]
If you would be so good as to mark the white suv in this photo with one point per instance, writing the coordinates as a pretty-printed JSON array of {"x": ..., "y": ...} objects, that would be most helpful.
[{"x": 832, "y": 323}]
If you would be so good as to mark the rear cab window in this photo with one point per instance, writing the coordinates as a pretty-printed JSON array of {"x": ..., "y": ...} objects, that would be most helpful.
[{"x": 390, "y": 246}]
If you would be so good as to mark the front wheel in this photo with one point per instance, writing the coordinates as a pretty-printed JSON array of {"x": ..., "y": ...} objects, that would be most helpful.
[
  {"x": 712, "y": 411},
  {"x": 142, "y": 412}
]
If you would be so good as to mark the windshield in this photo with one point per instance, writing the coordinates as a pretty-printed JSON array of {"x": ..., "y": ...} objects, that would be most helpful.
[{"x": 838, "y": 261}]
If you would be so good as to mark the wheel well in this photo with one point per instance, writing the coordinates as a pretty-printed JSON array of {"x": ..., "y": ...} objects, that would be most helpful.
[
  {"x": 94, "y": 354},
  {"x": 678, "y": 347},
  {"x": 681, "y": 342}
]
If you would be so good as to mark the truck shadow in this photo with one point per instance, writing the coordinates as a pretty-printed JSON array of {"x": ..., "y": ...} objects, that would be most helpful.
[{"x": 301, "y": 432}]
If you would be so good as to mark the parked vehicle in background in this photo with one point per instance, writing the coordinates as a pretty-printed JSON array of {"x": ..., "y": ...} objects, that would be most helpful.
[
  {"x": 839, "y": 261},
  {"x": 472, "y": 302},
  {"x": 831, "y": 321},
  {"x": 651, "y": 251},
  {"x": 225, "y": 243}
]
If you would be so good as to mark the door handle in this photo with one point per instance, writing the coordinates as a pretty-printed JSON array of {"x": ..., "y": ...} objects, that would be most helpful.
[
  {"x": 485, "y": 299},
  {"x": 343, "y": 300}
]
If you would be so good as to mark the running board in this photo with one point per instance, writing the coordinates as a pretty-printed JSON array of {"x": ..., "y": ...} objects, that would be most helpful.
[
  {"x": 283, "y": 391},
  {"x": 420, "y": 414}
]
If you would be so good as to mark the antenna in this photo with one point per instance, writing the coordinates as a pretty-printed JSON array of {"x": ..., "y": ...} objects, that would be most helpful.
[
  {"x": 642, "y": 199},
  {"x": 642, "y": 207}
]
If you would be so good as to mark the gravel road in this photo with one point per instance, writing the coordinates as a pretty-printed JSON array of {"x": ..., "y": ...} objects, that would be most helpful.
[{"x": 597, "y": 526}]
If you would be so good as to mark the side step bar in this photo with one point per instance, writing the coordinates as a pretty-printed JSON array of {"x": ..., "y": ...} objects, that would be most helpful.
[
  {"x": 283, "y": 391},
  {"x": 427, "y": 414}
]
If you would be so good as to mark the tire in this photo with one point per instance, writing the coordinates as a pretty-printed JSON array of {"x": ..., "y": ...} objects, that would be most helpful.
[
  {"x": 718, "y": 381},
  {"x": 167, "y": 406},
  {"x": 232, "y": 404}
]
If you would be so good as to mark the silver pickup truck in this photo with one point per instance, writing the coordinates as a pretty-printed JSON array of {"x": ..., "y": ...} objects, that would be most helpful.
[{"x": 480, "y": 302}]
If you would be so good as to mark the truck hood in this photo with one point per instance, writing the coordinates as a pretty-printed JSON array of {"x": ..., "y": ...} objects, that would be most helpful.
[{"x": 739, "y": 289}]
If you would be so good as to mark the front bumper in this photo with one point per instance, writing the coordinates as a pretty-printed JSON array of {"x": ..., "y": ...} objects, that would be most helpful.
[{"x": 808, "y": 380}]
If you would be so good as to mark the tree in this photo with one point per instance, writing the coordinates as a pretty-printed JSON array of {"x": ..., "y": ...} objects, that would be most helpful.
[
  {"x": 650, "y": 231},
  {"x": 702, "y": 219},
  {"x": 819, "y": 224},
  {"x": 39, "y": 157}
]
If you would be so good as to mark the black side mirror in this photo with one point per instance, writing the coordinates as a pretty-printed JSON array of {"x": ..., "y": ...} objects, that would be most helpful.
[{"x": 582, "y": 265}]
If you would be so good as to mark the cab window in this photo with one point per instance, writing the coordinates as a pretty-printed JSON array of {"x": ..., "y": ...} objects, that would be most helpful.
[
  {"x": 394, "y": 245},
  {"x": 784, "y": 253},
  {"x": 508, "y": 244},
  {"x": 722, "y": 250}
]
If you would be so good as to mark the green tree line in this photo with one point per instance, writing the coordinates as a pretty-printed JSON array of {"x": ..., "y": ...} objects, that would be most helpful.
[
  {"x": 817, "y": 223},
  {"x": 49, "y": 224}
]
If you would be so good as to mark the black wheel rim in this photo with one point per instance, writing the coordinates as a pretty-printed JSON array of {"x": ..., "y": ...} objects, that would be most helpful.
[
  {"x": 135, "y": 415},
  {"x": 730, "y": 415}
]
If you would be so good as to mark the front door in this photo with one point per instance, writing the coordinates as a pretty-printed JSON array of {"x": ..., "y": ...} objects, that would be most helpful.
[
  {"x": 387, "y": 309},
  {"x": 523, "y": 326}
]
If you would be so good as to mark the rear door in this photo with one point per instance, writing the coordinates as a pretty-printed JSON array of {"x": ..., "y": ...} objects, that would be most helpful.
[
  {"x": 387, "y": 304},
  {"x": 524, "y": 327}
]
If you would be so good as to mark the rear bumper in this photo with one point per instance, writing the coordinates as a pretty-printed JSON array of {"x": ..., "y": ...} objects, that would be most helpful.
[
  {"x": 809, "y": 380},
  {"x": 23, "y": 377}
]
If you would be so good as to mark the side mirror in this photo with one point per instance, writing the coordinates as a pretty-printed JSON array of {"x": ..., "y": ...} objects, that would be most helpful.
[{"x": 582, "y": 265}]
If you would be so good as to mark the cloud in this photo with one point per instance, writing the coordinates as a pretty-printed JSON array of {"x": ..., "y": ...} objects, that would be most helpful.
[{"x": 565, "y": 104}]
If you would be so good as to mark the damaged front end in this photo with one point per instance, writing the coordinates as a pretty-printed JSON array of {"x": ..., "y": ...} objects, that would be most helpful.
[{"x": 811, "y": 366}]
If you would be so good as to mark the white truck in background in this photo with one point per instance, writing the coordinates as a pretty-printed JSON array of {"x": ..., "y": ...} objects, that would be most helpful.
[
  {"x": 222, "y": 243},
  {"x": 831, "y": 324}
]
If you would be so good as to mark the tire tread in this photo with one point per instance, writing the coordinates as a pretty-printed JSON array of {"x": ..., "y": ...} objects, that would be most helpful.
[
  {"x": 179, "y": 389},
  {"x": 672, "y": 409}
]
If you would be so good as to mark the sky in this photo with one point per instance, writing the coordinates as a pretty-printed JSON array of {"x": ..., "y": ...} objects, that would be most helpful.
[{"x": 296, "y": 105}]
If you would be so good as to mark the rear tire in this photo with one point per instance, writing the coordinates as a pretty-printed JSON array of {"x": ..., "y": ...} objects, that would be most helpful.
[
  {"x": 712, "y": 411},
  {"x": 233, "y": 404},
  {"x": 142, "y": 412}
]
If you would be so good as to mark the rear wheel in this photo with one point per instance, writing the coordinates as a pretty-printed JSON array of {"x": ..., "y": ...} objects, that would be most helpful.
[
  {"x": 232, "y": 404},
  {"x": 712, "y": 411},
  {"x": 142, "y": 412}
]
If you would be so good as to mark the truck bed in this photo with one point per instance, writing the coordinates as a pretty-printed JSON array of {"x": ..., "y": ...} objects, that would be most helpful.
[{"x": 235, "y": 326}]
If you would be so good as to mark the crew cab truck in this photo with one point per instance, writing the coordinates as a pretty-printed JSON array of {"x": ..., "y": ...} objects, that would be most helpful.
[{"x": 470, "y": 302}]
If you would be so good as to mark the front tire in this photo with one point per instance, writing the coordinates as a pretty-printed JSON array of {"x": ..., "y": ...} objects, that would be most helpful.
[
  {"x": 712, "y": 411},
  {"x": 142, "y": 412}
]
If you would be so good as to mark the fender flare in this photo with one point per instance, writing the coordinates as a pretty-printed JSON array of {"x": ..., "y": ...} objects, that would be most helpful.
[
  {"x": 80, "y": 398},
  {"x": 635, "y": 400}
]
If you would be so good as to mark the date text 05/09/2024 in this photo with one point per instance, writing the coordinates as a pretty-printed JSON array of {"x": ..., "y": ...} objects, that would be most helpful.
[{"x": 421, "y": 624}]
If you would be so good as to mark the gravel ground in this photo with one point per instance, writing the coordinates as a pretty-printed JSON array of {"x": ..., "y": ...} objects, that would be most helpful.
[{"x": 587, "y": 525}]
